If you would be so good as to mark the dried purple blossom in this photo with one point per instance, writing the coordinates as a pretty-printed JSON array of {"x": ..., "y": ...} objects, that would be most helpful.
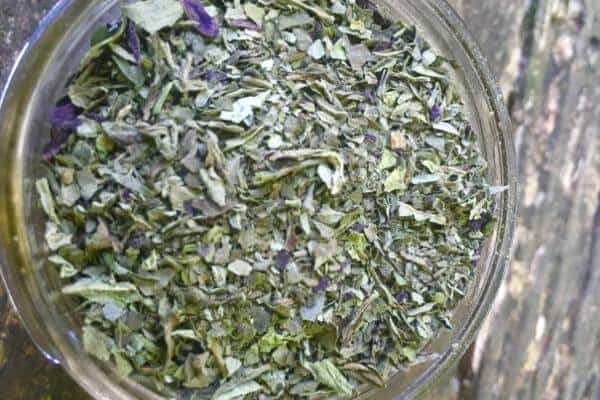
[
  {"x": 206, "y": 25},
  {"x": 283, "y": 258},
  {"x": 243, "y": 24},
  {"x": 381, "y": 46},
  {"x": 316, "y": 32},
  {"x": 133, "y": 41},
  {"x": 65, "y": 116},
  {"x": 435, "y": 112},
  {"x": 401, "y": 297},
  {"x": 322, "y": 285},
  {"x": 476, "y": 224},
  {"x": 58, "y": 138},
  {"x": 369, "y": 94},
  {"x": 94, "y": 116},
  {"x": 113, "y": 26},
  {"x": 370, "y": 138},
  {"x": 366, "y": 4},
  {"x": 213, "y": 75},
  {"x": 358, "y": 228},
  {"x": 127, "y": 195},
  {"x": 188, "y": 207},
  {"x": 381, "y": 20},
  {"x": 137, "y": 241}
]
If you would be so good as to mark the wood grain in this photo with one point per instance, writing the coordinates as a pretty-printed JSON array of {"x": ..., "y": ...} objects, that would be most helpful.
[{"x": 543, "y": 339}]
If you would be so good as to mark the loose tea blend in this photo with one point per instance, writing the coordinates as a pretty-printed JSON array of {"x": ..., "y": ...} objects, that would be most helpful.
[{"x": 263, "y": 200}]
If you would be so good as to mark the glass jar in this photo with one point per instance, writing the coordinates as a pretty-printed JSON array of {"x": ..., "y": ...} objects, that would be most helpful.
[{"x": 38, "y": 81}]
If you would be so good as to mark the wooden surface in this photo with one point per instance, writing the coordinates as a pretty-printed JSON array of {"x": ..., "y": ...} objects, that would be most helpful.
[{"x": 542, "y": 340}]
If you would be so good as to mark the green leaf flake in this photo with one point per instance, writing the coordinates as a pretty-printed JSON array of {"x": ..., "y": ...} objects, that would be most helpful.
[
  {"x": 96, "y": 343},
  {"x": 237, "y": 391},
  {"x": 395, "y": 180},
  {"x": 100, "y": 292},
  {"x": 327, "y": 374},
  {"x": 388, "y": 160},
  {"x": 154, "y": 15},
  {"x": 47, "y": 199},
  {"x": 240, "y": 268}
]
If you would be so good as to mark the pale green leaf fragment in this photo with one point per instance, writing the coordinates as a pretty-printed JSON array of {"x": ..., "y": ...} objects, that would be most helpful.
[
  {"x": 215, "y": 187},
  {"x": 69, "y": 195},
  {"x": 421, "y": 310},
  {"x": 67, "y": 269},
  {"x": 127, "y": 180},
  {"x": 271, "y": 340},
  {"x": 121, "y": 52},
  {"x": 47, "y": 199},
  {"x": 98, "y": 48},
  {"x": 244, "y": 107},
  {"x": 428, "y": 58},
  {"x": 425, "y": 178},
  {"x": 338, "y": 51},
  {"x": 237, "y": 391},
  {"x": 312, "y": 311},
  {"x": 406, "y": 210},
  {"x": 132, "y": 72},
  {"x": 95, "y": 343},
  {"x": 121, "y": 132},
  {"x": 326, "y": 175},
  {"x": 316, "y": 50},
  {"x": 494, "y": 190},
  {"x": 388, "y": 160},
  {"x": 186, "y": 334},
  {"x": 150, "y": 263},
  {"x": 240, "y": 268},
  {"x": 124, "y": 367},
  {"x": 232, "y": 364},
  {"x": 438, "y": 143},
  {"x": 395, "y": 181},
  {"x": 298, "y": 19},
  {"x": 55, "y": 239},
  {"x": 326, "y": 373},
  {"x": 254, "y": 12},
  {"x": 358, "y": 55},
  {"x": 162, "y": 98},
  {"x": 153, "y": 15},
  {"x": 101, "y": 292},
  {"x": 338, "y": 8},
  {"x": 446, "y": 128},
  {"x": 219, "y": 275}
]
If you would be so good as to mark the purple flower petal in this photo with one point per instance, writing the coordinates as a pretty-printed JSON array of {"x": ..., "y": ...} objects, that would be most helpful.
[
  {"x": 212, "y": 75},
  {"x": 369, "y": 94},
  {"x": 322, "y": 285},
  {"x": 58, "y": 138},
  {"x": 366, "y": 4},
  {"x": 370, "y": 138},
  {"x": 476, "y": 224},
  {"x": 283, "y": 258},
  {"x": 401, "y": 297},
  {"x": 317, "y": 30},
  {"x": 94, "y": 116},
  {"x": 127, "y": 195},
  {"x": 195, "y": 11},
  {"x": 358, "y": 228},
  {"x": 435, "y": 112},
  {"x": 65, "y": 116},
  {"x": 244, "y": 24},
  {"x": 133, "y": 41},
  {"x": 189, "y": 208},
  {"x": 137, "y": 240},
  {"x": 381, "y": 46}
]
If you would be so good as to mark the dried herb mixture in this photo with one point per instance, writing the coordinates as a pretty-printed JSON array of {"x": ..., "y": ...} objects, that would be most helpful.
[{"x": 279, "y": 199}]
